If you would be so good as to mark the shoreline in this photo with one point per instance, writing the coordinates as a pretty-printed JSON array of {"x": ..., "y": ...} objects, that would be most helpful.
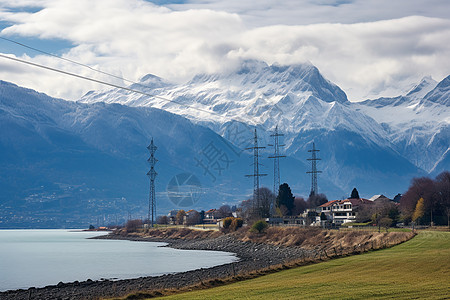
[{"x": 252, "y": 257}]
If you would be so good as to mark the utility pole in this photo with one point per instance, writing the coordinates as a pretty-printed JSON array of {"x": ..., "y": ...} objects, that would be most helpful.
[
  {"x": 276, "y": 166},
  {"x": 313, "y": 172},
  {"x": 152, "y": 174},
  {"x": 256, "y": 175}
]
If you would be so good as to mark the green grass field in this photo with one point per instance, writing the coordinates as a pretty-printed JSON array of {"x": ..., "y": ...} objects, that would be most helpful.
[{"x": 417, "y": 269}]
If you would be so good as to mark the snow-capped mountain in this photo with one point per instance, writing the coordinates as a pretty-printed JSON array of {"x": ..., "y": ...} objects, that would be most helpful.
[
  {"x": 291, "y": 98},
  {"x": 417, "y": 124},
  {"x": 66, "y": 156},
  {"x": 301, "y": 103},
  {"x": 254, "y": 93},
  {"x": 70, "y": 163}
]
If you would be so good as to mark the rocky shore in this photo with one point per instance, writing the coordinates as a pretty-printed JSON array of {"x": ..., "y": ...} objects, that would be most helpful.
[{"x": 252, "y": 257}]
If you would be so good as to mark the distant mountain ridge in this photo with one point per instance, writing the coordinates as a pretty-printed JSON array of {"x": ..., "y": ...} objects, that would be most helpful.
[
  {"x": 417, "y": 124},
  {"x": 305, "y": 107},
  {"x": 65, "y": 157},
  {"x": 69, "y": 164}
]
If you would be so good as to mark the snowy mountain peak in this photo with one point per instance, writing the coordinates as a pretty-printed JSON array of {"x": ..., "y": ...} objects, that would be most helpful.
[
  {"x": 439, "y": 95},
  {"x": 273, "y": 80},
  {"x": 151, "y": 82},
  {"x": 422, "y": 88}
]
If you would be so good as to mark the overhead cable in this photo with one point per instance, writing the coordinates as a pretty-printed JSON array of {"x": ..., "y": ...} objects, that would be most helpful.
[
  {"x": 107, "y": 83},
  {"x": 70, "y": 60}
]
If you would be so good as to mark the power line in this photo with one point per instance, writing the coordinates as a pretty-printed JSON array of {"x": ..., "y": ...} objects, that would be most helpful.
[
  {"x": 71, "y": 61},
  {"x": 109, "y": 84},
  {"x": 109, "y": 74}
]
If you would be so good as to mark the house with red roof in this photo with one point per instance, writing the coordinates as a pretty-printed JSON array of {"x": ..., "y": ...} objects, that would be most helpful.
[
  {"x": 343, "y": 211},
  {"x": 212, "y": 216}
]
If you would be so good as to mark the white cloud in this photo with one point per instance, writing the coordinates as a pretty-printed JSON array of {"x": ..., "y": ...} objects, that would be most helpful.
[{"x": 131, "y": 38}]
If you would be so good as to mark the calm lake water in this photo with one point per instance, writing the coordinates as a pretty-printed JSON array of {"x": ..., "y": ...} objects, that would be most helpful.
[{"x": 45, "y": 257}]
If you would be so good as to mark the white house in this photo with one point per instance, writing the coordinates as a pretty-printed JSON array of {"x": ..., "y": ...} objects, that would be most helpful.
[{"x": 343, "y": 211}]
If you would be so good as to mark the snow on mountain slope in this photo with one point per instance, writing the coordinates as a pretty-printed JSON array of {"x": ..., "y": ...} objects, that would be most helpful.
[
  {"x": 243, "y": 93},
  {"x": 296, "y": 99},
  {"x": 73, "y": 161},
  {"x": 293, "y": 98},
  {"x": 439, "y": 95},
  {"x": 417, "y": 124}
]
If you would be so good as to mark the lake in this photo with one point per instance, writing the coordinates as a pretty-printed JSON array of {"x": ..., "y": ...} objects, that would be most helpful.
[{"x": 36, "y": 258}]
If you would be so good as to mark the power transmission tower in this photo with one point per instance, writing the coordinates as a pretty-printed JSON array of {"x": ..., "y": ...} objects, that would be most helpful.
[
  {"x": 152, "y": 174},
  {"x": 256, "y": 175},
  {"x": 276, "y": 166},
  {"x": 313, "y": 172}
]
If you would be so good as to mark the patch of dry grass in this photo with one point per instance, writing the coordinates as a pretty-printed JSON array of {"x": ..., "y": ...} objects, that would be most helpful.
[
  {"x": 313, "y": 238},
  {"x": 417, "y": 269}
]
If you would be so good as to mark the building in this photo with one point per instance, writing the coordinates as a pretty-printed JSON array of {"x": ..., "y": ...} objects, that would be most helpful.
[
  {"x": 343, "y": 211},
  {"x": 172, "y": 215},
  {"x": 212, "y": 216},
  {"x": 379, "y": 197}
]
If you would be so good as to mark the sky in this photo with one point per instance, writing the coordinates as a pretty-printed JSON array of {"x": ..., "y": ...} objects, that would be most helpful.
[{"x": 369, "y": 48}]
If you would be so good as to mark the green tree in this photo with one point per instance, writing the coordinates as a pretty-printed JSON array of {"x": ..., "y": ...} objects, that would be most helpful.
[
  {"x": 285, "y": 199},
  {"x": 202, "y": 216},
  {"x": 355, "y": 194},
  {"x": 259, "y": 226},
  {"x": 419, "y": 211}
]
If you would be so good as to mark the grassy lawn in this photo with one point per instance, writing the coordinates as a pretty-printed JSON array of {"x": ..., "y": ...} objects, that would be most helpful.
[{"x": 417, "y": 269}]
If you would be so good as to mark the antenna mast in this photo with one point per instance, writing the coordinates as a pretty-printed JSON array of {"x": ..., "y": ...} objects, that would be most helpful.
[
  {"x": 152, "y": 174},
  {"x": 276, "y": 166},
  {"x": 256, "y": 175},
  {"x": 313, "y": 172}
]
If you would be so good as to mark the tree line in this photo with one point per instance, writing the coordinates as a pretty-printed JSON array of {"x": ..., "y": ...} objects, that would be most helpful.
[{"x": 427, "y": 201}]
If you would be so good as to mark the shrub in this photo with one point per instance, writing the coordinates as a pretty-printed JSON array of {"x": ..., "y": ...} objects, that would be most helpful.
[
  {"x": 236, "y": 223},
  {"x": 259, "y": 226},
  {"x": 133, "y": 225},
  {"x": 227, "y": 222}
]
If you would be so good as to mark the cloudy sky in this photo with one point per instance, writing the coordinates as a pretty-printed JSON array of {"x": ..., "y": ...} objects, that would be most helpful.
[{"x": 370, "y": 48}]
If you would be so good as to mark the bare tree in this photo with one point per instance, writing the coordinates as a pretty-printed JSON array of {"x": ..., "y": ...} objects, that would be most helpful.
[
  {"x": 317, "y": 200},
  {"x": 224, "y": 211},
  {"x": 180, "y": 217},
  {"x": 193, "y": 218},
  {"x": 443, "y": 193},
  {"x": 134, "y": 225},
  {"x": 266, "y": 198},
  {"x": 436, "y": 199},
  {"x": 163, "y": 220},
  {"x": 300, "y": 206},
  {"x": 420, "y": 188}
]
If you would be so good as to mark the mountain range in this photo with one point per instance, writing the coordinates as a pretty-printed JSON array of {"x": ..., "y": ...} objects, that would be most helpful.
[{"x": 67, "y": 164}]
